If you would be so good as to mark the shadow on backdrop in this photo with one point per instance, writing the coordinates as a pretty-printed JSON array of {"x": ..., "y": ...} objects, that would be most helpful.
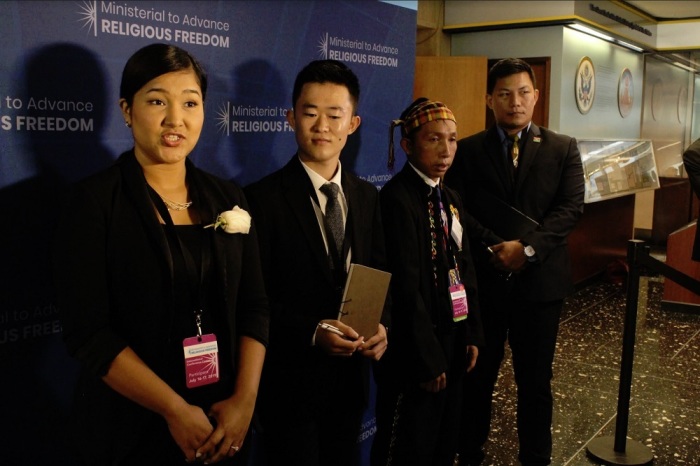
[
  {"x": 258, "y": 81},
  {"x": 63, "y": 145}
]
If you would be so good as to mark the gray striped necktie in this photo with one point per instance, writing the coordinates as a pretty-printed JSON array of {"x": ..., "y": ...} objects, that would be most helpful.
[{"x": 333, "y": 220}]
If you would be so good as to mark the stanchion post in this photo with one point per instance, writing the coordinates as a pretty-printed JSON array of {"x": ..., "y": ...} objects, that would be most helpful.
[
  {"x": 624, "y": 451},
  {"x": 634, "y": 248}
]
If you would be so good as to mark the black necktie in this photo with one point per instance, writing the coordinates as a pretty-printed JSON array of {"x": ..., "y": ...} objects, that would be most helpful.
[{"x": 333, "y": 219}]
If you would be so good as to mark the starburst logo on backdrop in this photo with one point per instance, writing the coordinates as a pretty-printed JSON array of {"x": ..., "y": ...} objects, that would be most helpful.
[
  {"x": 88, "y": 16},
  {"x": 223, "y": 118},
  {"x": 323, "y": 46}
]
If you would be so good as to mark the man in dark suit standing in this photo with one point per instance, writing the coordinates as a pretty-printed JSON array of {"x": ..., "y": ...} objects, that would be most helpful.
[
  {"x": 523, "y": 279},
  {"x": 691, "y": 161},
  {"x": 315, "y": 382},
  {"x": 436, "y": 328}
]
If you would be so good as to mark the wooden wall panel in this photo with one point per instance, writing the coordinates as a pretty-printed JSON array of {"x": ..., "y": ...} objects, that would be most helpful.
[
  {"x": 600, "y": 237},
  {"x": 458, "y": 82},
  {"x": 678, "y": 251},
  {"x": 672, "y": 208}
]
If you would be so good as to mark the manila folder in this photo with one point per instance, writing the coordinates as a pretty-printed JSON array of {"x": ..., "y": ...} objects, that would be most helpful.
[{"x": 363, "y": 299}]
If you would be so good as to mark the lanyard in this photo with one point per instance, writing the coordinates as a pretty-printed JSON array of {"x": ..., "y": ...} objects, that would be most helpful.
[
  {"x": 447, "y": 245},
  {"x": 194, "y": 277}
]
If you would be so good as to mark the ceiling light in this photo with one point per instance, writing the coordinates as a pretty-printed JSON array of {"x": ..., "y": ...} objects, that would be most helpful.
[
  {"x": 685, "y": 67},
  {"x": 629, "y": 46},
  {"x": 590, "y": 31}
]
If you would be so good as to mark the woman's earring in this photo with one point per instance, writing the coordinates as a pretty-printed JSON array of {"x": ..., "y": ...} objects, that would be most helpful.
[{"x": 128, "y": 125}]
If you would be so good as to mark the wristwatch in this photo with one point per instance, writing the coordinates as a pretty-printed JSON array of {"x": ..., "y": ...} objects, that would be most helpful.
[{"x": 529, "y": 253}]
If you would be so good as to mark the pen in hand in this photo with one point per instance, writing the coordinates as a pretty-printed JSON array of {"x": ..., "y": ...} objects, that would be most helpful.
[
  {"x": 493, "y": 253},
  {"x": 488, "y": 248},
  {"x": 332, "y": 329}
]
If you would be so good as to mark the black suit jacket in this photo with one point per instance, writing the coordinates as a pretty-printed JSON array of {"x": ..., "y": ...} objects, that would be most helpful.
[
  {"x": 548, "y": 187},
  {"x": 691, "y": 160},
  {"x": 114, "y": 279},
  {"x": 299, "y": 280},
  {"x": 422, "y": 343}
]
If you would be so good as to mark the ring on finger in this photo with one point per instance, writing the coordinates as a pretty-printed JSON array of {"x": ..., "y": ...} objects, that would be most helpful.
[{"x": 235, "y": 447}]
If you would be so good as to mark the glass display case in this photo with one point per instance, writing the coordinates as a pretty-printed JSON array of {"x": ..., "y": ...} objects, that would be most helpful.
[{"x": 614, "y": 168}]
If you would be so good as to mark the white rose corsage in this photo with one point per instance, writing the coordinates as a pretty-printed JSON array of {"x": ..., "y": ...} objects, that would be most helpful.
[{"x": 233, "y": 221}]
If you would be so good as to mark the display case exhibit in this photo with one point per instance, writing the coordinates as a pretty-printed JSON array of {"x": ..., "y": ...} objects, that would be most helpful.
[{"x": 614, "y": 168}]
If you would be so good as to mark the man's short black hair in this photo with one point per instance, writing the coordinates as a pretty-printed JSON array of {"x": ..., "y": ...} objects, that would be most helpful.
[
  {"x": 508, "y": 67},
  {"x": 327, "y": 71}
]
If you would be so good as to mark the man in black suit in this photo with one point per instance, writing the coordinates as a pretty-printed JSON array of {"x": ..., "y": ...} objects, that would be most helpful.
[
  {"x": 315, "y": 383},
  {"x": 691, "y": 160},
  {"x": 523, "y": 279},
  {"x": 436, "y": 329}
]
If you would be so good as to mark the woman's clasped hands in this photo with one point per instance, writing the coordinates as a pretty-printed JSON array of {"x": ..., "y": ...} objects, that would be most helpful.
[{"x": 210, "y": 439}]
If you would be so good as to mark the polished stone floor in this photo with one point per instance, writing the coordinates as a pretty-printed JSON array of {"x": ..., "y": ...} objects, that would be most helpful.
[{"x": 664, "y": 412}]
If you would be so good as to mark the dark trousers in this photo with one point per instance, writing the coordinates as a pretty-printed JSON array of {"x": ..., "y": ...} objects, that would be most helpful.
[
  {"x": 313, "y": 438},
  {"x": 416, "y": 427},
  {"x": 531, "y": 331},
  {"x": 312, "y": 424}
]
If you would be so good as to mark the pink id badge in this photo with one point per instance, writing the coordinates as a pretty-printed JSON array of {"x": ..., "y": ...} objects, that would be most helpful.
[
  {"x": 201, "y": 360},
  {"x": 460, "y": 307}
]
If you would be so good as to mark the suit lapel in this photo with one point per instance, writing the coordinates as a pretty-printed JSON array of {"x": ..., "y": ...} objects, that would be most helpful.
[
  {"x": 298, "y": 191},
  {"x": 204, "y": 195},
  {"x": 493, "y": 148},
  {"x": 354, "y": 219},
  {"x": 135, "y": 188},
  {"x": 532, "y": 147}
]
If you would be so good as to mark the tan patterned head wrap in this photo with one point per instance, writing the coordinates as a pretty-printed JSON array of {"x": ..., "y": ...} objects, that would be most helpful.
[{"x": 420, "y": 112}]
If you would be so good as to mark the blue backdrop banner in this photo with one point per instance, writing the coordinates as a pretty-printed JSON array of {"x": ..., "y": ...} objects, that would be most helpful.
[{"x": 60, "y": 66}]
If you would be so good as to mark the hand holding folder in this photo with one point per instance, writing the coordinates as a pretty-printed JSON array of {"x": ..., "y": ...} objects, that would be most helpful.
[
  {"x": 363, "y": 301},
  {"x": 503, "y": 219}
]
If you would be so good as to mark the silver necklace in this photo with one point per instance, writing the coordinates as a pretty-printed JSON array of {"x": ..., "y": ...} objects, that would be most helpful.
[{"x": 172, "y": 205}]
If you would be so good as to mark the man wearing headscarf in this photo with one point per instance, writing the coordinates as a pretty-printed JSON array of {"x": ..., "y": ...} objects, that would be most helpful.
[{"x": 435, "y": 320}]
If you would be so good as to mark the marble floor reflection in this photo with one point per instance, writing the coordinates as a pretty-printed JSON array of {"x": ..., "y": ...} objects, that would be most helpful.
[{"x": 664, "y": 413}]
